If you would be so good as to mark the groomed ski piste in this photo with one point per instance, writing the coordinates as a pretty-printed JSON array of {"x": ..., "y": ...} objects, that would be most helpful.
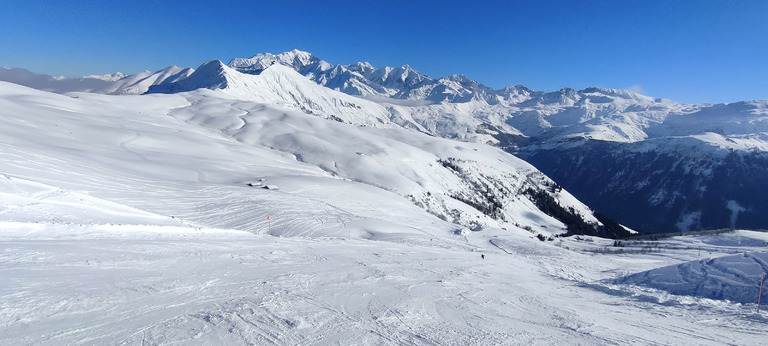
[{"x": 130, "y": 220}]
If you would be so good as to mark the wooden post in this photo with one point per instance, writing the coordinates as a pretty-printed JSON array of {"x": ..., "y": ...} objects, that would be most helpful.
[{"x": 760, "y": 297}]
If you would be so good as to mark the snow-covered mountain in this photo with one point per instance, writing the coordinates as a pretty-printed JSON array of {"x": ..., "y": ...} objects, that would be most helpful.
[
  {"x": 357, "y": 79},
  {"x": 603, "y": 144},
  {"x": 141, "y": 82},
  {"x": 457, "y": 107},
  {"x": 280, "y": 85},
  {"x": 473, "y": 185},
  {"x": 233, "y": 208},
  {"x": 651, "y": 163},
  {"x": 463, "y": 183},
  {"x": 54, "y": 84},
  {"x": 363, "y": 79},
  {"x": 697, "y": 168},
  {"x": 117, "y": 83}
]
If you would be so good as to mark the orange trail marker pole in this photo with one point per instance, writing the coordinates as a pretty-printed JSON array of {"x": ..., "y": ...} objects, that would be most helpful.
[{"x": 760, "y": 297}]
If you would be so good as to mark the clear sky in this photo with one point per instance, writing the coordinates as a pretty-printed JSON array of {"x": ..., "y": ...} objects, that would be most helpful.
[{"x": 688, "y": 51}]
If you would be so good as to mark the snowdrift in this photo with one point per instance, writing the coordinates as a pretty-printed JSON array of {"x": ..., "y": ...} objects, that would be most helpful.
[{"x": 735, "y": 278}]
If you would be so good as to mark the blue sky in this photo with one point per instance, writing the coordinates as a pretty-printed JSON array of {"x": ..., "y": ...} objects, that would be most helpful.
[{"x": 687, "y": 51}]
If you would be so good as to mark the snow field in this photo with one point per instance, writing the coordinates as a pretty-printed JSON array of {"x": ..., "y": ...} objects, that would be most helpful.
[
  {"x": 128, "y": 220},
  {"x": 236, "y": 287}
]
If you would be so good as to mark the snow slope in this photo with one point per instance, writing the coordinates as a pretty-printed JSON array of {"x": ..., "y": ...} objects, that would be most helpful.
[
  {"x": 129, "y": 219},
  {"x": 735, "y": 278},
  {"x": 227, "y": 287},
  {"x": 26, "y": 202}
]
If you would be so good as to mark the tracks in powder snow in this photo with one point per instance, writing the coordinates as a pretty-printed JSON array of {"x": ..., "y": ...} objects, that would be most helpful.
[{"x": 236, "y": 287}]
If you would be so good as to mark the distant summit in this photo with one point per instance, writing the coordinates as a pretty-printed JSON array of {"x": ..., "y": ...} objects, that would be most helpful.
[
  {"x": 404, "y": 82},
  {"x": 210, "y": 75},
  {"x": 109, "y": 77},
  {"x": 117, "y": 83},
  {"x": 296, "y": 59}
]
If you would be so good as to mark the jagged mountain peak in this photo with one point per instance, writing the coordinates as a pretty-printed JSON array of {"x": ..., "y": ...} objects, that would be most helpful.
[
  {"x": 211, "y": 75},
  {"x": 212, "y": 64},
  {"x": 361, "y": 67},
  {"x": 210, "y": 69},
  {"x": 295, "y": 59},
  {"x": 458, "y": 78},
  {"x": 360, "y": 78},
  {"x": 402, "y": 77},
  {"x": 617, "y": 93},
  {"x": 407, "y": 69},
  {"x": 405, "y": 82},
  {"x": 109, "y": 77}
]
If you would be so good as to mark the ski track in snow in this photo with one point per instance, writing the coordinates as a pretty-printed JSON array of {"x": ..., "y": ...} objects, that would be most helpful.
[{"x": 131, "y": 287}]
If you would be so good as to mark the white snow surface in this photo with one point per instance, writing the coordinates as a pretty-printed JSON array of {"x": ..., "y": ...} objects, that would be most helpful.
[
  {"x": 129, "y": 220},
  {"x": 734, "y": 278}
]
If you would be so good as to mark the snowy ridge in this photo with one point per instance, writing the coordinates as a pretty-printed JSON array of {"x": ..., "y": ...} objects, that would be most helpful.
[
  {"x": 282, "y": 86},
  {"x": 356, "y": 79},
  {"x": 295, "y": 59},
  {"x": 48, "y": 83},
  {"x": 211, "y": 75},
  {"x": 140, "y": 83},
  {"x": 117, "y": 83},
  {"x": 109, "y": 77}
]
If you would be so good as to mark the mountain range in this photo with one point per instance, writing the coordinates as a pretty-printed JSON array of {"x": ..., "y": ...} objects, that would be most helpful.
[{"x": 651, "y": 164}]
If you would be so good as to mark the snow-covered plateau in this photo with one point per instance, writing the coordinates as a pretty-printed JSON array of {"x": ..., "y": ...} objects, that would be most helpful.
[{"x": 225, "y": 207}]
